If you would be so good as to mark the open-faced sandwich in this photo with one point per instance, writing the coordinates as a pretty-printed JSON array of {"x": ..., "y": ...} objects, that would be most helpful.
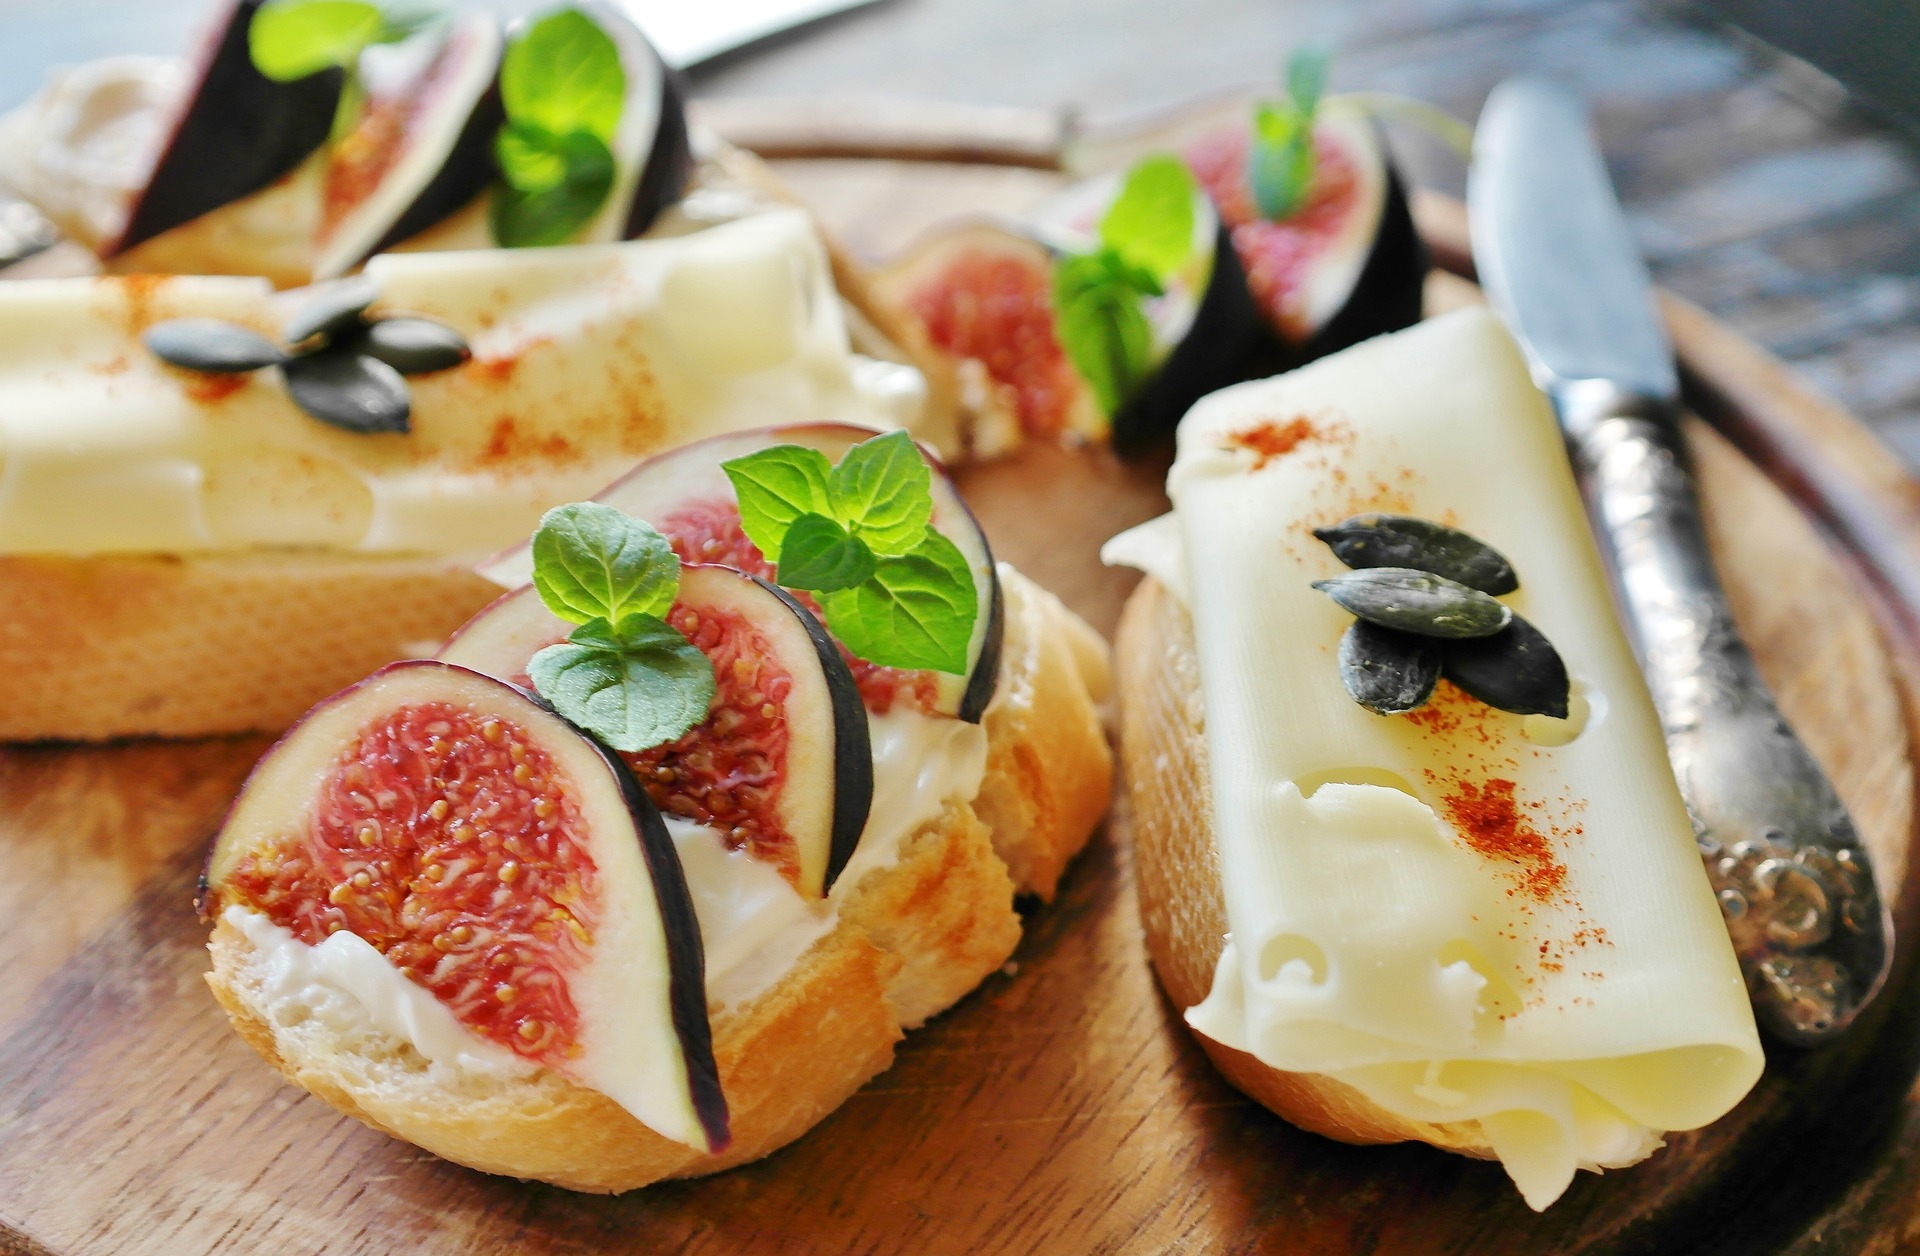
[
  {"x": 647, "y": 872},
  {"x": 1411, "y": 858}
]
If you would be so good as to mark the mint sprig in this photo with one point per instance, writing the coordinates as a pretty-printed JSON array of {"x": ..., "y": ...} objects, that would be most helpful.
[
  {"x": 1280, "y": 156},
  {"x": 860, "y": 535},
  {"x": 563, "y": 89},
  {"x": 291, "y": 39},
  {"x": 625, "y": 674},
  {"x": 1145, "y": 238}
]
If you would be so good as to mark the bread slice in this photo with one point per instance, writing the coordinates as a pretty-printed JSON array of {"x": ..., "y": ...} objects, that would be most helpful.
[
  {"x": 911, "y": 939},
  {"x": 1166, "y": 811}
]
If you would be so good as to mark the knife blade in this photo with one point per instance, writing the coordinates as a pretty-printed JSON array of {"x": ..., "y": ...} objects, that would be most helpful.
[{"x": 1558, "y": 261}]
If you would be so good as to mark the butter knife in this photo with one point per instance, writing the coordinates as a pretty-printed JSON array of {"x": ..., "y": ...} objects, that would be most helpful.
[{"x": 1797, "y": 889}]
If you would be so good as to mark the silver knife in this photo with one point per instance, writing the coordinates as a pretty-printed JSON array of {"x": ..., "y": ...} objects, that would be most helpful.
[{"x": 1796, "y": 887}]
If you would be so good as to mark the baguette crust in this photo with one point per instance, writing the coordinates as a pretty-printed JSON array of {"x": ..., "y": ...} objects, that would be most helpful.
[
  {"x": 167, "y": 646},
  {"x": 911, "y": 938},
  {"x": 1166, "y": 809}
]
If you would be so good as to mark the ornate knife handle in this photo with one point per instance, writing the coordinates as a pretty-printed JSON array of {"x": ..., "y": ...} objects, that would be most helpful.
[{"x": 1797, "y": 889}]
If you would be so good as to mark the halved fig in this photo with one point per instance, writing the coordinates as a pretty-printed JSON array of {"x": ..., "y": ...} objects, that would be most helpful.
[
  {"x": 686, "y": 495},
  {"x": 423, "y": 146},
  {"x": 501, "y": 860},
  {"x": 237, "y": 132},
  {"x": 984, "y": 292},
  {"x": 652, "y": 152},
  {"x": 1346, "y": 265},
  {"x": 782, "y": 765}
]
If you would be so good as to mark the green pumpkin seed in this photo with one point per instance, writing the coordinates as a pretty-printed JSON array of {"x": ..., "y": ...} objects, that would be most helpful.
[
  {"x": 1516, "y": 669},
  {"x": 413, "y": 346},
  {"x": 331, "y": 310},
  {"x": 1376, "y": 540},
  {"x": 207, "y": 344},
  {"x": 1388, "y": 672},
  {"x": 350, "y": 391},
  {"x": 1416, "y": 601}
]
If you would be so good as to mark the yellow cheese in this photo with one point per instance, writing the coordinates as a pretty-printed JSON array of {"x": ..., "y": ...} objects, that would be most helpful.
[
  {"x": 585, "y": 359},
  {"x": 1465, "y": 914}
]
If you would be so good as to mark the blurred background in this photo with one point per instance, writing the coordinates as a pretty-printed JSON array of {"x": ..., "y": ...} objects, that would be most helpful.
[{"x": 1780, "y": 191}]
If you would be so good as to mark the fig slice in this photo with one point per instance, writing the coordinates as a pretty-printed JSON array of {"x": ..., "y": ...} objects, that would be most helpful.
[
  {"x": 423, "y": 145},
  {"x": 652, "y": 151},
  {"x": 1347, "y": 265},
  {"x": 503, "y": 861},
  {"x": 685, "y": 494},
  {"x": 782, "y": 765},
  {"x": 236, "y": 132}
]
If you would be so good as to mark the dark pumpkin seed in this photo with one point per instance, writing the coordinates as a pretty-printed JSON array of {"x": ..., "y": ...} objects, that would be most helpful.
[
  {"x": 207, "y": 344},
  {"x": 1416, "y": 601},
  {"x": 413, "y": 346},
  {"x": 332, "y": 309},
  {"x": 1388, "y": 672},
  {"x": 349, "y": 390},
  {"x": 1516, "y": 669},
  {"x": 1376, "y": 540}
]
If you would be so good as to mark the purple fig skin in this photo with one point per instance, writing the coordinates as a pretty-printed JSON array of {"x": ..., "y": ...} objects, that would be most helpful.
[
  {"x": 1386, "y": 296},
  {"x": 464, "y": 174},
  {"x": 852, "y": 745},
  {"x": 685, "y": 951},
  {"x": 669, "y": 161},
  {"x": 238, "y": 132}
]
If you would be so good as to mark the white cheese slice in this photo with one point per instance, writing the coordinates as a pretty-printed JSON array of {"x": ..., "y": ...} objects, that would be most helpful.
[
  {"x": 1565, "y": 980},
  {"x": 584, "y": 359}
]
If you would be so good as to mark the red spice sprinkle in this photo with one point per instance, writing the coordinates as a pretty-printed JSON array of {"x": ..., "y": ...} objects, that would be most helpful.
[
  {"x": 1489, "y": 819},
  {"x": 1269, "y": 439}
]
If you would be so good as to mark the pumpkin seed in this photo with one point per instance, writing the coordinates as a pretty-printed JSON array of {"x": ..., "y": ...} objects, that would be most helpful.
[
  {"x": 1385, "y": 671},
  {"x": 1516, "y": 669},
  {"x": 207, "y": 344},
  {"x": 413, "y": 346},
  {"x": 1416, "y": 601},
  {"x": 349, "y": 390},
  {"x": 1377, "y": 540},
  {"x": 332, "y": 309}
]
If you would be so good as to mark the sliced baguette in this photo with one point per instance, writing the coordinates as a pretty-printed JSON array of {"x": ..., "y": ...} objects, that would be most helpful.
[
  {"x": 911, "y": 939},
  {"x": 1166, "y": 811}
]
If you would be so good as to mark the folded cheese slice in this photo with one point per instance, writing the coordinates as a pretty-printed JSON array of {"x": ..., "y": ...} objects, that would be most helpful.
[
  {"x": 585, "y": 359},
  {"x": 1466, "y": 915}
]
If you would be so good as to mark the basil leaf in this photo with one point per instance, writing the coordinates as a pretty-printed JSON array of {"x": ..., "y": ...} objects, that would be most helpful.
[
  {"x": 1101, "y": 325},
  {"x": 883, "y": 492},
  {"x": 635, "y": 685},
  {"x": 290, "y": 39},
  {"x": 571, "y": 176},
  {"x": 1150, "y": 222},
  {"x": 777, "y": 485},
  {"x": 564, "y": 75},
  {"x": 819, "y": 554},
  {"x": 916, "y": 612},
  {"x": 592, "y": 562}
]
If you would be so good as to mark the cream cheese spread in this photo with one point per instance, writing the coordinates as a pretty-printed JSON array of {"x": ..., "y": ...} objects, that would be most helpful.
[
  {"x": 585, "y": 359},
  {"x": 1464, "y": 916}
]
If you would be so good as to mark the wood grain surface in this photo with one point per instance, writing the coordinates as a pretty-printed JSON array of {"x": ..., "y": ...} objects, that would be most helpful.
[{"x": 1062, "y": 1107}]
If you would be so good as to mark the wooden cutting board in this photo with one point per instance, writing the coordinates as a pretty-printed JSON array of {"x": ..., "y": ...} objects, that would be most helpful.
[{"x": 1062, "y": 1107}]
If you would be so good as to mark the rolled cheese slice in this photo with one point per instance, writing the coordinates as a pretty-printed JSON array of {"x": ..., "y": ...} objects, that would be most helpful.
[
  {"x": 1466, "y": 915},
  {"x": 585, "y": 359}
]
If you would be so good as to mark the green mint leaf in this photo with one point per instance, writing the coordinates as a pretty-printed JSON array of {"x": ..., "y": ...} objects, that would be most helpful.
[
  {"x": 567, "y": 178},
  {"x": 1101, "y": 325},
  {"x": 1150, "y": 222},
  {"x": 563, "y": 74},
  {"x": 819, "y": 554},
  {"x": 635, "y": 685},
  {"x": 1307, "y": 79},
  {"x": 592, "y": 562},
  {"x": 290, "y": 39},
  {"x": 916, "y": 612},
  {"x": 777, "y": 485},
  {"x": 883, "y": 492},
  {"x": 1279, "y": 161}
]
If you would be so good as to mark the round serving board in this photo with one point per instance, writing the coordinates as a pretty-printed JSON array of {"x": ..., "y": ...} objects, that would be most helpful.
[{"x": 1062, "y": 1107}]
